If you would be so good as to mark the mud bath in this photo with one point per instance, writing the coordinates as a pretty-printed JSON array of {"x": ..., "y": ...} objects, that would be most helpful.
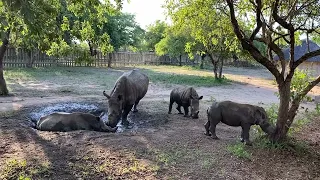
[{"x": 139, "y": 120}]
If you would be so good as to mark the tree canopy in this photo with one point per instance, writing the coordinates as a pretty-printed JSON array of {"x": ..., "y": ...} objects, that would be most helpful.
[{"x": 208, "y": 24}]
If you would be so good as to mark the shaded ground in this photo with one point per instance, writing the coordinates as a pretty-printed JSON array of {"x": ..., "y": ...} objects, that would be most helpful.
[{"x": 163, "y": 147}]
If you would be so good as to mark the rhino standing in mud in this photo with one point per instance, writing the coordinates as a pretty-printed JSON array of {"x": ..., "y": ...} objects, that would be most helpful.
[
  {"x": 128, "y": 90},
  {"x": 185, "y": 97},
  {"x": 236, "y": 114},
  {"x": 61, "y": 121}
]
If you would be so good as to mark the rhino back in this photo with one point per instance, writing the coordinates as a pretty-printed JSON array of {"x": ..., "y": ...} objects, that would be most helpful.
[
  {"x": 52, "y": 122},
  {"x": 235, "y": 113},
  {"x": 133, "y": 85},
  {"x": 66, "y": 122},
  {"x": 182, "y": 95}
]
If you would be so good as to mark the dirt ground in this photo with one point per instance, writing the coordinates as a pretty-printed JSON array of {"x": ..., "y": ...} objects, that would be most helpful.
[{"x": 163, "y": 147}]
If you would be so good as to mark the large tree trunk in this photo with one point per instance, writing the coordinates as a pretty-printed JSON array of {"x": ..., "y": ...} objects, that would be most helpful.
[
  {"x": 110, "y": 60},
  {"x": 3, "y": 86},
  {"x": 283, "y": 113},
  {"x": 220, "y": 68},
  {"x": 215, "y": 66},
  {"x": 202, "y": 61}
]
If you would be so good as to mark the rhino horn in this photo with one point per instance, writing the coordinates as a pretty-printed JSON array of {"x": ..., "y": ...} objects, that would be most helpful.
[{"x": 106, "y": 95}]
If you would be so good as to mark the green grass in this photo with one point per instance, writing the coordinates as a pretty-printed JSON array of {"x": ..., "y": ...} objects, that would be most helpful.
[
  {"x": 20, "y": 169},
  {"x": 239, "y": 150},
  {"x": 100, "y": 76},
  {"x": 192, "y": 80}
]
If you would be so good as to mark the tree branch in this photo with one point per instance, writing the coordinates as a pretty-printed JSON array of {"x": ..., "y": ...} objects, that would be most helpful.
[
  {"x": 311, "y": 84},
  {"x": 278, "y": 19},
  {"x": 248, "y": 45},
  {"x": 306, "y": 57},
  {"x": 258, "y": 19}
]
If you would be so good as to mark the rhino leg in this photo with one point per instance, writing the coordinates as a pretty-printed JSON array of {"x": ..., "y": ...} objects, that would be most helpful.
[
  {"x": 170, "y": 105},
  {"x": 135, "y": 106},
  {"x": 206, "y": 126},
  {"x": 125, "y": 113},
  {"x": 212, "y": 129},
  {"x": 242, "y": 139},
  {"x": 245, "y": 134},
  {"x": 179, "y": 109},
  {"x": 186, "y": 111}
]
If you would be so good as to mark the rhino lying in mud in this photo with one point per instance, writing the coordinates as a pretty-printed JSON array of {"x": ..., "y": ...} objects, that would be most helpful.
[
  {"x": 61, "y": 121},
  {"x": 235, "y": 114},
  {"x": 185, "y": 97},
  {"x": 128, "y": 90}
]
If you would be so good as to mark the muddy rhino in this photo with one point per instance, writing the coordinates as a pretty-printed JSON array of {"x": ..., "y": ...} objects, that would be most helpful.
[
  {"x": 236, "y": 114},
  {"x": 128, "y": 90},
  {"x": 60, "y": 121},
  {"x": 185, "y": 97}
]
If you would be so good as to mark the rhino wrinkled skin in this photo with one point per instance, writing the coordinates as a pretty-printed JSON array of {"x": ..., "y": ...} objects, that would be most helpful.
[
  {"x": 185, "y": 97},
  {"x": 236, "y": 114},
  {"x": 60, "y": 121},
  {"x": 128, "y": 90}
]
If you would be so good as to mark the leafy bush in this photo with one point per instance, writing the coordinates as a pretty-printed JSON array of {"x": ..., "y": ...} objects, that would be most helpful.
[
  {"x": 299, "y": 82},
  {"x": 239, "y": 151}
]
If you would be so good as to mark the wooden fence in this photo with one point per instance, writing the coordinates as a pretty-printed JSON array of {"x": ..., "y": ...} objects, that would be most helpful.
[{"x": 22, "y": 58}]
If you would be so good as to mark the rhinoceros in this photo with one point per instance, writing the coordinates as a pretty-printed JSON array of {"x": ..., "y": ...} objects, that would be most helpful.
[
  {"x": 61, "y": 121},
  {"x": 236, "y": 114},
  {"x": 128, "y": 90},
  {"x": 185, "y": 97}
]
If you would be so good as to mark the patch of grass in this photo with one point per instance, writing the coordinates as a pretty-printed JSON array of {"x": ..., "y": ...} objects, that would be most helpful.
[
  {"x": 180, "y": 155},
  {"x": 63, "y": 75},
  {"x": 290, "y": 144},
  {"x": 185, "y": 79},
  {"x": 15, "y": 169},
  {"x": 239, "y": 151}
]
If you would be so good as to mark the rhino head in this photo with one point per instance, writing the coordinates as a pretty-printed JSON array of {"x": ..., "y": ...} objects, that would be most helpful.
[
  {"x": 102, "y": 126},
  {"x": 194, "y": 104},
  {"x": 261, "y": 119},
  {"x": 114, "y": 109}
]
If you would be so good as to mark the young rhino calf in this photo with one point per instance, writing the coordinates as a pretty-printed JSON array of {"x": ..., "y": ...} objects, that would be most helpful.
[
  {"x": 61, "y": 121},
  {"x": 236, "y": 114},
  {"x": 185, "y": 97}
]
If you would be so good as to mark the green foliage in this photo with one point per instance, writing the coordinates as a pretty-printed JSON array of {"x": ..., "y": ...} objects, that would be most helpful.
[
  {"x": 289, "y": 144},
  {"x": 299, "y": 82},
  {"x": 172, "y": 44},
  {"x": 239, "y": 151},
  {"x": 206, "y": 23},
  {"x": 124, "y": 31},
  {"x": 29, "y": 24},
  {"x": 155, "y": 32}
]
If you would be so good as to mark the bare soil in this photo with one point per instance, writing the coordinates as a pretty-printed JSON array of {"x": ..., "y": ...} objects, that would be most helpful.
[{"x": 163, "y": 147}]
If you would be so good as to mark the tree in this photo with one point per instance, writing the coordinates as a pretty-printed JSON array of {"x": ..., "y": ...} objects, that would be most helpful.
[
  {"x": 274, "y": 23},
  {"x": 26, "y": 21},
  {"x": 124, "y": 31},
  {"x": 155, "y": 32},
  {"x": 172, "y": 44},
  {"x": 84, "y": 21},
  {"x": 208, "y": 24}
]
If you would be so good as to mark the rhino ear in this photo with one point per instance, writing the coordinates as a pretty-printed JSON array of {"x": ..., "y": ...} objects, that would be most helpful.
[
  {"x": 106, "y": 95},
  {"x": 259, "y": 115},
  {"x": 200, "y": 97},
  {"x": 120, "y": 97}
]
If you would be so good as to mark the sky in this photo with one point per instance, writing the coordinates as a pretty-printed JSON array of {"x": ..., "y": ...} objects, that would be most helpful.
[{"x": 146, "y": 11}]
